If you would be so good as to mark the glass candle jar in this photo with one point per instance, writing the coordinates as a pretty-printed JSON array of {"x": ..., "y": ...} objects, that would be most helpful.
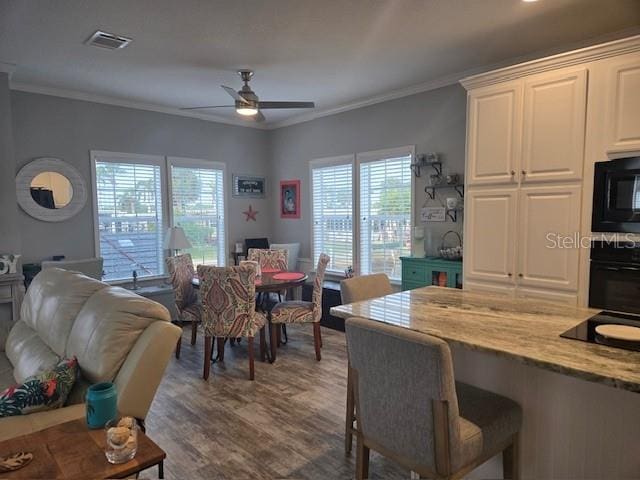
[{"x": 122, "y": 439}]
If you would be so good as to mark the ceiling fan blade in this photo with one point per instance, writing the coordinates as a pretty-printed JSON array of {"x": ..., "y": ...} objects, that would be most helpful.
[
  {"x": 207, "y": 106},
  {"x": 260, "y": 117},
  {"x": 286, "y": 104},
  {"x": 234, "y": 94}
]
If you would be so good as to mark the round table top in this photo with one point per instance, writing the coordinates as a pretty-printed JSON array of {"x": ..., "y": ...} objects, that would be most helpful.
[{"x": 267, "y": 282}]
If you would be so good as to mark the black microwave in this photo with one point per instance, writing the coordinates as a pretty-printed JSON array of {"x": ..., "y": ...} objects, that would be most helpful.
[{"x": 616, "y": 196}]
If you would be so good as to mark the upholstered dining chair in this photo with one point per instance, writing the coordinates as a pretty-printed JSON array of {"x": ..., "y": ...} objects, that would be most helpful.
[
  {"x": 269, "y": 259},
  {"x": 357, "y": 289},
  {"x": 228, "y": 299},
  {"x": 411, "y": 410},
  {"x": 181, "y": 273},
  {"x": 302, "y": 312}
]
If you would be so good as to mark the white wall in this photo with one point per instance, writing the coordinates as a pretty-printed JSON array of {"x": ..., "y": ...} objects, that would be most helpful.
[
  {"x": 434, "y": 121},
  {"x": 68, "y": 129}
]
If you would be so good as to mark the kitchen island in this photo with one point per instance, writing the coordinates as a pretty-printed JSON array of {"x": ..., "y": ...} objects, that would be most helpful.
[{"x": 580, "y": 400}]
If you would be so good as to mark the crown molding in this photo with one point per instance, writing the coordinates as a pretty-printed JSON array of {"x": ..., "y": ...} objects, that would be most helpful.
[
  {"x": 625, "y": 39},
  {"x": 88, "y": 97},
  {"x": 566, "y": 59},
  {"x": 600, "y": 47}
]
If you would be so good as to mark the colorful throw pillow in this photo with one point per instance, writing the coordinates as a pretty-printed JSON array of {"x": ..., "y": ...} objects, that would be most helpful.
[{"x": 46, "y": 391}]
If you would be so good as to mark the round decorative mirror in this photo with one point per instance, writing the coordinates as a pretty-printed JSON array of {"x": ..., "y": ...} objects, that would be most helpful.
[{"x": 50, "y": 190}]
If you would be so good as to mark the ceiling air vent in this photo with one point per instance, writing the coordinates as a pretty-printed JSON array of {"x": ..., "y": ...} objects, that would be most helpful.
[{"x": 108, "y": 40}]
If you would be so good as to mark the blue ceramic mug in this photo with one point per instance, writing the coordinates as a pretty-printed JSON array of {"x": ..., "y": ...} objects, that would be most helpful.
[{"x": 102, "y": 404}]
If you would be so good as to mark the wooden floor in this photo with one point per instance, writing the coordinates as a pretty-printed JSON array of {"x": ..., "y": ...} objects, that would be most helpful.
[{"x": 288, "y": 423}]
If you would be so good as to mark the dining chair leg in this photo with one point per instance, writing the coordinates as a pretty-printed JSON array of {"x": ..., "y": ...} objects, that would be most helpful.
[
  {"x": 207, "y": 356},
  {"x": 279, "y": 335},
  {"x": 316, "y": 339},
  {"x": 362, "y": 459},
  {"x": 221, "y": 342},
  {"x": 349, "y": 415},
  {"x": 320, "y": 333},
  {"x": 178, "y": 323},
  {"x": 194, "y": 332},
  {"x": 273, "y": 340},
  {"x": 251, "y": 359},
  {"x": 263, "y": 345},
  {"x": 178, "y": 346},
  {"x": 285, "y": 337}
]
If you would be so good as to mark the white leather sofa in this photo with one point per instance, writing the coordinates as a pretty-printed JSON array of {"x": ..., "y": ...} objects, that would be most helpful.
[{"x": 116, "y": 335}]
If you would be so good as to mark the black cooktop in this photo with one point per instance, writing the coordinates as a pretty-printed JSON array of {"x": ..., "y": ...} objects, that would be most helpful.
[{"x": 586, "y": 331}]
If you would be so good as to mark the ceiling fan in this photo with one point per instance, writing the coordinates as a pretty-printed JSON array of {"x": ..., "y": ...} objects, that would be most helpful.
[{"x": 247, "y": 102}]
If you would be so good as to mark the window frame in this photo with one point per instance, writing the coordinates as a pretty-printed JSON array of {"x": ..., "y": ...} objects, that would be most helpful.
[
  {"x": 375, "y": 156},
  {"x": 334, "y": 162},
  {"x": 164, "y": 162},
  {"x": 356, "y": 159}
]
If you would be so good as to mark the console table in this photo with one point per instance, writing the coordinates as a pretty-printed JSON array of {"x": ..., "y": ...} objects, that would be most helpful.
[{"x": 12, "y": 292}]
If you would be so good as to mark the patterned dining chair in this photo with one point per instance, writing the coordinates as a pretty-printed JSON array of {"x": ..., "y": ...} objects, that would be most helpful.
[
  {"x": 181, "y": 273},
  {"x": 302, "y": 312},
  {"x": 228, "y": 299},
  {"x": 269, "y": 259}
]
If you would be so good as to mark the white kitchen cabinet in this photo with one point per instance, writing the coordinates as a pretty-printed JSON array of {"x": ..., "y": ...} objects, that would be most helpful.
[
  {"x": 493, "y": 134},
  {"x": 490, "y": 220},
  {"x": 549, "y": 224},
  {"x": 623, "y": 105},
  {"x": 553, "y": 126},
  {"x": 534, "y": 131}
]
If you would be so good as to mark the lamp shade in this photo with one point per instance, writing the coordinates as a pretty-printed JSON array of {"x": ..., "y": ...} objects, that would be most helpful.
[{"x": 175, "y": 239}]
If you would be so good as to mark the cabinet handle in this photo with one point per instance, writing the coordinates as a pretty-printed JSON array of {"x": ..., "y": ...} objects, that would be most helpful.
[
  {"x": 524, "y": 172},
  {"x": 513, "y": 172},
  {"x": 520, "y": 275},
  {"x": 509, "y": 274}
]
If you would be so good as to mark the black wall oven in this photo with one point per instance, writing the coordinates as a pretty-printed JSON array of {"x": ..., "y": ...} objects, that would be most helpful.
[
  {"x": 615, "y": 276},
  {"x": 616, "y": 196}
]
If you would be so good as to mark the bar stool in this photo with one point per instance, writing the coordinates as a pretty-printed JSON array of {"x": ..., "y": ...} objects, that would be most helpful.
[
  {"x": 411, "y": 410},
  {"x": 357, "y": 289}
]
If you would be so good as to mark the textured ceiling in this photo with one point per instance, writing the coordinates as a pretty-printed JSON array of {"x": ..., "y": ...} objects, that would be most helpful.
[{"x": 332, "y": 52}]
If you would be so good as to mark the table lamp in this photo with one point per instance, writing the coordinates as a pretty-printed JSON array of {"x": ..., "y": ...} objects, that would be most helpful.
[{"x": 175, "y": 240}]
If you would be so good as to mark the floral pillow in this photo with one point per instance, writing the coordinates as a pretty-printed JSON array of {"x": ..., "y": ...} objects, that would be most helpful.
[{"x": 46, "y": 391}]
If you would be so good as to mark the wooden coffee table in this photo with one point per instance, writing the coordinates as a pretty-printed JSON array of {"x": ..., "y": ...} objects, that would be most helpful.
[{"x": 70, "y": 450}]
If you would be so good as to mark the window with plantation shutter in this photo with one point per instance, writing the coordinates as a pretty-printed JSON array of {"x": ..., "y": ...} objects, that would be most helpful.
[
  {"x": 385, "y": 212},
  {"x": 129, "y": 217},
  {"x": 332, "y": 205},
  {"x": 197, "y": 200}
]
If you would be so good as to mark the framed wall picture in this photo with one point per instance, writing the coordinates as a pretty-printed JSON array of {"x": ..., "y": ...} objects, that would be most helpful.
[
  {"x": 433, "y": 214},
  {"x": 248, "y": 186},
  {"x": 290, "y": 199}
]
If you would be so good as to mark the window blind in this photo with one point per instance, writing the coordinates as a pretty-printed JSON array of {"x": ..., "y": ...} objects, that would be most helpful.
[
  {"x": 332, "y": 191},
  {"x": 130, "y": 223},
  {"x": 197, "y": 196},
  {"x": 385, "y": 215}
]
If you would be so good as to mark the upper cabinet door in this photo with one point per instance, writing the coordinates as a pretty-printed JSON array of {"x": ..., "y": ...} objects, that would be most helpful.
[
  {"x": 493, "y": 129},
  {"x": 490, "y": 235},
  {"x": 549, "y": 230},
  {"x": 555, "y": 106},
  {"x": 623, "y": 106}
]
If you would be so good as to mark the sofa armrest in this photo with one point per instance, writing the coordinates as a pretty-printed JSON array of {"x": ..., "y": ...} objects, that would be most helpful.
[
  {"x": 18, "y": 425},
  {"x": 141, "y": 373}
]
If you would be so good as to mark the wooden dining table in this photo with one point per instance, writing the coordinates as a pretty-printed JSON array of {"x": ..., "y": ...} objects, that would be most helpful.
[{"x": 269, "y": 282}]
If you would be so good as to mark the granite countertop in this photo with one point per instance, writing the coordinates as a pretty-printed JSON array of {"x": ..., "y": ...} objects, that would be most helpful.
[{"x": 524, "y": 330}]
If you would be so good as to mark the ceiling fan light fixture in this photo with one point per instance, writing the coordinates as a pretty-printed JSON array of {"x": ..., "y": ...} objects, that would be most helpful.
[{"x": 247, "y": 110}]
